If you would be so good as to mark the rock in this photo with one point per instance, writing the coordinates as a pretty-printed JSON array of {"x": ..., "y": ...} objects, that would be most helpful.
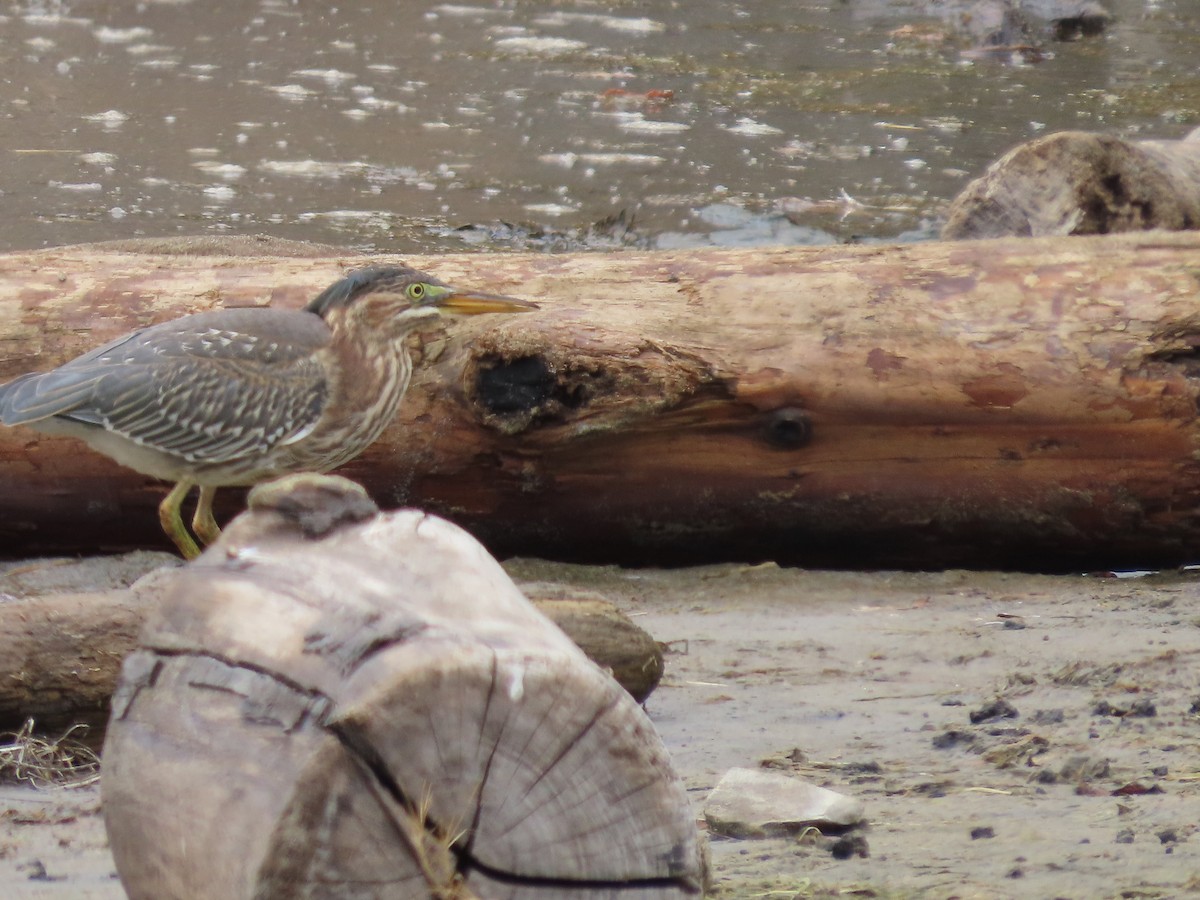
[
  {"x": 1079, "y": 20},
  {"x": 1141, "y": 707},
  {"x": 953, "y": 737},
  {"x": 849, "y": 845},
  {"x": 752, "y": 803},
  {"x": 1048, "y": 717},
  {"x": 990, "y": 712},
  {"x": 1022, "y": 751},
  {"x": 994, "y": 23},
  {"x": 1084, "y": 768}
]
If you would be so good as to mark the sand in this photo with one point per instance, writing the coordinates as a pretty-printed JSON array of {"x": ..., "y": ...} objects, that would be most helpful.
[{"x": 1083, "y": 784}]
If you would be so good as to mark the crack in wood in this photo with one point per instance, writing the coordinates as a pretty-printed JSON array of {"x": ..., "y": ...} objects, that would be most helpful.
[
  {"x": 311, "y": 706},
  {"x": 466, "y": 858}
]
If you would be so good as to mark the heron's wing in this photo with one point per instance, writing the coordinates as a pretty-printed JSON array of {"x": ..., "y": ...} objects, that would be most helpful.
[{"x": 208, "y": 388}]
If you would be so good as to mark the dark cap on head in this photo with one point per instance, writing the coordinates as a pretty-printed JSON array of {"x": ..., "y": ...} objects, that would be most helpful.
[{"x": 364, "y": 281}]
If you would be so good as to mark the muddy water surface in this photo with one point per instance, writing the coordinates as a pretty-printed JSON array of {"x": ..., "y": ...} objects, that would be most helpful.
[{"x": 391, "y": 126}]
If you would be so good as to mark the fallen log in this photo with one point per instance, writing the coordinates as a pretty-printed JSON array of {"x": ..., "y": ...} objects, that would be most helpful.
[
  {"x": 60, "y": 656},
  {"x": 1077, "y": 183},
  {"x": 999, "y": 403},
  {"x": 60, "y": 653},
  {"x": 332, "y": 702}
]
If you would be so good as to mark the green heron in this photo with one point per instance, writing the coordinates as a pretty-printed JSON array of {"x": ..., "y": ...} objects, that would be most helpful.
[{"x": 237, "y": 396}]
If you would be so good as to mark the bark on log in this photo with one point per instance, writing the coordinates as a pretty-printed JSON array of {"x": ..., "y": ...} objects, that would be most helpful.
[
  {"x": 1080, "y": 183},
  {"x": 998, "y": 403},
  {"x": 60, "y": 654},
  {"x": 331, "y": 702}
]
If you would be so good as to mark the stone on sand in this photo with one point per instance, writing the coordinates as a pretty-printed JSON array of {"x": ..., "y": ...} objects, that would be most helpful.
[{"x": 752, "y": 803}]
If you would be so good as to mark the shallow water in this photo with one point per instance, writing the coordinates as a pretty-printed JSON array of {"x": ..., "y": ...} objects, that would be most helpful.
[{"x": 406, "y": 126}]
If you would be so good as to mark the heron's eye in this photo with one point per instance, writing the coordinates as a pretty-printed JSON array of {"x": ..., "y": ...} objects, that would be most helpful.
[{"x": 416, "y": 292}]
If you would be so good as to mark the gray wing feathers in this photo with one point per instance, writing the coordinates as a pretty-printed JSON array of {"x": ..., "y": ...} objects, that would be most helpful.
[
  {"x": 34, "y": 397},
  {"x": 203, "y": 388}
]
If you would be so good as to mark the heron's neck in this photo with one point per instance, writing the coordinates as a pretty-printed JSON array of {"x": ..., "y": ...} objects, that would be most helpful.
[
  {"x": 372, "y": 378},
  {"x": 374, "y": 370}
]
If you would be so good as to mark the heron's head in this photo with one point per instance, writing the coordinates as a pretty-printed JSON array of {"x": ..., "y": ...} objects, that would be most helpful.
[{"x": 396, "y": 300}]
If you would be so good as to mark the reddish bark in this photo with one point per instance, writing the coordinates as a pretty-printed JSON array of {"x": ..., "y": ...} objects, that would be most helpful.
[{"x": 996, "y": 403}]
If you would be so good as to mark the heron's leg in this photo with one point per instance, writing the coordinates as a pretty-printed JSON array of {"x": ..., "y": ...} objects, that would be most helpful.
[
  {"x": 204, "y": 525},
  {"x": 172, "y": 523}
]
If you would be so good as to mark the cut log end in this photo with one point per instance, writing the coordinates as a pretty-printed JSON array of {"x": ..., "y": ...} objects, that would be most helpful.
[
  {"x": 379, "y": 706},
  {"x": 1079, "y": 183}
]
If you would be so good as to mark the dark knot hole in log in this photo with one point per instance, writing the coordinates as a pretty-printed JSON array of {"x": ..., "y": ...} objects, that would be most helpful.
[
  {"x": 788, "y": 428},
  {"x": 514, "y": 393},
  {"x": 508, "y": 386}
]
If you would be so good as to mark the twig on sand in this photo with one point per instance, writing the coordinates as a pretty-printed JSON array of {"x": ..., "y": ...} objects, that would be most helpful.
[{"x": 63, "y": 762}]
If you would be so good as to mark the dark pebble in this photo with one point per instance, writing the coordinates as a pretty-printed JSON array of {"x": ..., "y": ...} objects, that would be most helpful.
[
  {"x": 983, "y": 831},
  {"x": 997, "y": 709},
  {"x": 952, "y": 738},
  {"x": 1048, "y": 717},
  {"x": 869, "y": 767},
  {"x": 1083, "y": 768},
  {"x": 1125, "y": 836},
  {"x": 932, "y": 789},
  {"x": 1143, "y": 707},
  {"x": 849, "y": 845}
]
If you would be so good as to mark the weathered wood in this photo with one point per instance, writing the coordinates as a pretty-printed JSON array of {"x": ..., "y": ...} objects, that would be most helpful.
[
  {"x": 1002, "y": 403},
  {"x": 610, "y": 639},
  {"x": 65, "y": 625},
  {"x": 331, "y": 702},
  {"x": 60, "y": 654},
  {"x": 1076, "y": 182}
]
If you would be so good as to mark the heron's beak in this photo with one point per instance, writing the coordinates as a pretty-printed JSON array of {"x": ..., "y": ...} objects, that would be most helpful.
[{"x": 469, "y": 303}]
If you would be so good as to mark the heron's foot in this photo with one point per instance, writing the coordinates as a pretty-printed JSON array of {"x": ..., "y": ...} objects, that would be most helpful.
[
  {"x": 172, "y": 521},
  {"x": 204, "y": 526}
]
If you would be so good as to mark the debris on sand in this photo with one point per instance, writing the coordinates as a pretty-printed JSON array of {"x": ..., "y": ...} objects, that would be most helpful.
[
  {"x": 990, "y": 712},
  {"x": 753, "y": 803},
  {"x": 65, "y": 761}
]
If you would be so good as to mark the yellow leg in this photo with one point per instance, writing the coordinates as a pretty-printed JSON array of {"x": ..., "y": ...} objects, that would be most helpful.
[
  {"x": 204, "y": 526},
  {"x": 172, "y": 522}
]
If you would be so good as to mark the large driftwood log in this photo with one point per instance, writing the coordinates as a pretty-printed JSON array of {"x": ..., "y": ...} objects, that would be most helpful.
[
  {"x": 331, "y": 702},
  {"x": 60, "y": 653},
  {"x": 1076, "y": 182},
  {"x": 1003, "y": 403}
]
